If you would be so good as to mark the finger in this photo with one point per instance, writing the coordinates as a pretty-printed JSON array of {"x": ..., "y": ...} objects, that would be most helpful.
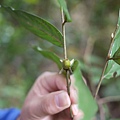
[
  {"x": 74, "y": 109},
  {"x": 79, "y": 116},
  {"x": 51, "y": 82},
  {"x": 51, "y": 104},
  {"x": 77, "y": 113},
  {"x": 73, "y": 95}
]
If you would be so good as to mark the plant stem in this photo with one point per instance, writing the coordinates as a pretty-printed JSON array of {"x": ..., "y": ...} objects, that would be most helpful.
[
  {"x": 68, "y": 81},
  {"x": 101, "y": 79},
  {"x": 115, "y": 58},
  {"x": 105, "y": 66},
  {"x": 63, "y": 32}
]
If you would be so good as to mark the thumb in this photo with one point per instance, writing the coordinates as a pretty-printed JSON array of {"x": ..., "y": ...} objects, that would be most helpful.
[{"x": 52, "y": 103}]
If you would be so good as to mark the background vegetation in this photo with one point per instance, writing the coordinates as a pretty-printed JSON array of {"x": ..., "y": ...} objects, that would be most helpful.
[{"x": 88, "y": 39}]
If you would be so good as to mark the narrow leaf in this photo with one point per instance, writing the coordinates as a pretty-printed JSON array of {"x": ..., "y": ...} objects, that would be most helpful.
[
  {"x": 38, "y": 26},
  {"x": 50, "y": 55},
  {"x": 86, "y": 101},
  {"x": 63, "y": 5},
  {"x": 113, "y": 66}
]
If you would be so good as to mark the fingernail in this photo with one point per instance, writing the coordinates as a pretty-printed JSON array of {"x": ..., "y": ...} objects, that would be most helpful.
[
  {"x": 75, "y": 109},
  {"x": 62, "y": 100}
]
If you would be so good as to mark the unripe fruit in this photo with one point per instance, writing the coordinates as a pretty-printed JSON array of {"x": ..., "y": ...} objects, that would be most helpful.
[{"x": 66, "y": 64}]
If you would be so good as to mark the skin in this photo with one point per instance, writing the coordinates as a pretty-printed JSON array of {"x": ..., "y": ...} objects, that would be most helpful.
[{"x": 48, "y": 100}]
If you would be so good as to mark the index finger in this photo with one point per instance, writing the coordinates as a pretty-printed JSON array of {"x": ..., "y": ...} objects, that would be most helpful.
[{"x": 50, "y": 82}]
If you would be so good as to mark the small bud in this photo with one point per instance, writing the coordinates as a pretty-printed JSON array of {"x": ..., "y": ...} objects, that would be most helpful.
[
  {"x": 66, "y": 64},
  {"x": 112, "y": 35}
]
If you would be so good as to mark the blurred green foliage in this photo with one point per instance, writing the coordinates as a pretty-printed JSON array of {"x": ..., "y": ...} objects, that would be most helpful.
[{"x": 88, "y": 39}]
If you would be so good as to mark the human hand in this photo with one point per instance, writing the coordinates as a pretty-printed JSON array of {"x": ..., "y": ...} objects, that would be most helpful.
[{"x": 48, "y": 100}]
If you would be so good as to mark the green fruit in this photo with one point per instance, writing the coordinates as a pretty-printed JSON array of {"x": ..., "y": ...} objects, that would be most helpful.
[{"x": 66, "y": 64}]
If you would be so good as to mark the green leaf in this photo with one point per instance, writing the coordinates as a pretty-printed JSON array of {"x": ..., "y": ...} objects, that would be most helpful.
[
  {"x": 63, "y": 5},
  {"x": 113, "y": 66},
  {"x": 37, "y": 25},
  {"x": 86, "y": 101},
  {"x": 116, "y": 56},
  {"x": 74, "y": 66},
  {"x": 50, "y": 55}
]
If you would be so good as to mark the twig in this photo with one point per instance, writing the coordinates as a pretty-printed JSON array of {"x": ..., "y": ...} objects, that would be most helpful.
[
  {"x": 107, "y": 59},
  {"x": 101, "y": 111},
  {"x": 68, "y": 81},
  {"x": 115, "y": 58},
  {"x": 104, "y": 101},
  {"x": 109, "y": 99},
  {"x": 65, "y": 50},
  {"x": 101, "y": 79},
  {"x": 106, "y": 62},
  {"x": 63, "y": 32}
]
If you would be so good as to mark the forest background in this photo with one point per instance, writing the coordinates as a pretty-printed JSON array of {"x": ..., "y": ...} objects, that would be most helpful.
[{"x": 88, "y": 39}]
